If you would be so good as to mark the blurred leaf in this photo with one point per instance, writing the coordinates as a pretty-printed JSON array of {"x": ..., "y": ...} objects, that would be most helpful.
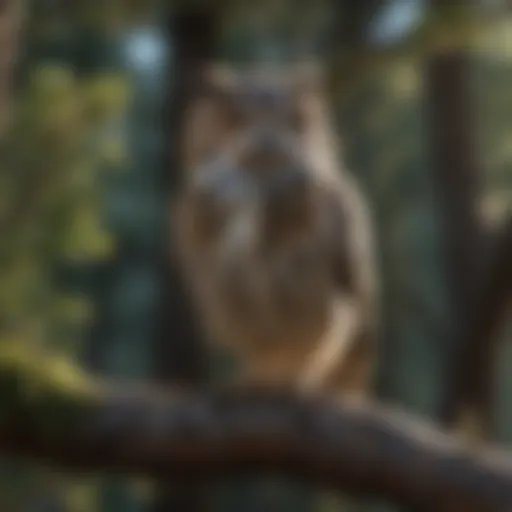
[
  {"x": 73, "y": 309},
  {"x": 115, "y": 152},
  {"x": 82, "y": 496},
  {"x": 49, "y": 82},
  {"x": 85, "y": 239},
  {"x": 404, "y": 80},
  {"x": 49, "y": 201},
  {"x": 107, "y": 96}
]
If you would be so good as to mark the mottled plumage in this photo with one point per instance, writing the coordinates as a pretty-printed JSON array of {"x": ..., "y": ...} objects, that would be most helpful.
[{"x": 274, "y": 238}]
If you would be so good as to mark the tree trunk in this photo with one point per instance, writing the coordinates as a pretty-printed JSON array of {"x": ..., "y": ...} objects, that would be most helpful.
[
  {"x": 183, "y": 360},
  {"x": 456, "y": 174}
]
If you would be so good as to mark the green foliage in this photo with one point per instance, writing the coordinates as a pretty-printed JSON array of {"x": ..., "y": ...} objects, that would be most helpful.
[
  {"x": 52, "y": 395},
  {"x": 45, "y": 388},
  {"x": 50, "y": 203},
  {"x": 50, "y": 215}
]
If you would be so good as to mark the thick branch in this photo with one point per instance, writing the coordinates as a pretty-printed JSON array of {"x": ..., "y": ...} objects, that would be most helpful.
[{"x": 185, "y": 438}]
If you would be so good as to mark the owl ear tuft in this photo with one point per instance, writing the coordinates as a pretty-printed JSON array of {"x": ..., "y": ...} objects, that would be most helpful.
[
  {"x": 208, "y": 114},
  {"x": 220, "y": 77}
]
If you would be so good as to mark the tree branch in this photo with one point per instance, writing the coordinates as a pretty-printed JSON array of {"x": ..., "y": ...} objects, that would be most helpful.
[{"x": 226, "y": 433}]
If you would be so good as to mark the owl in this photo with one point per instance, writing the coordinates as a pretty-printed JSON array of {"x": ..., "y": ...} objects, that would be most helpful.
[{"x": 273, "y": 236}]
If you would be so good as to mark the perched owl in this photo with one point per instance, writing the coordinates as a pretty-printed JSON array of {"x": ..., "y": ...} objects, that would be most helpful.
[{"x": 274, "y": 238}]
